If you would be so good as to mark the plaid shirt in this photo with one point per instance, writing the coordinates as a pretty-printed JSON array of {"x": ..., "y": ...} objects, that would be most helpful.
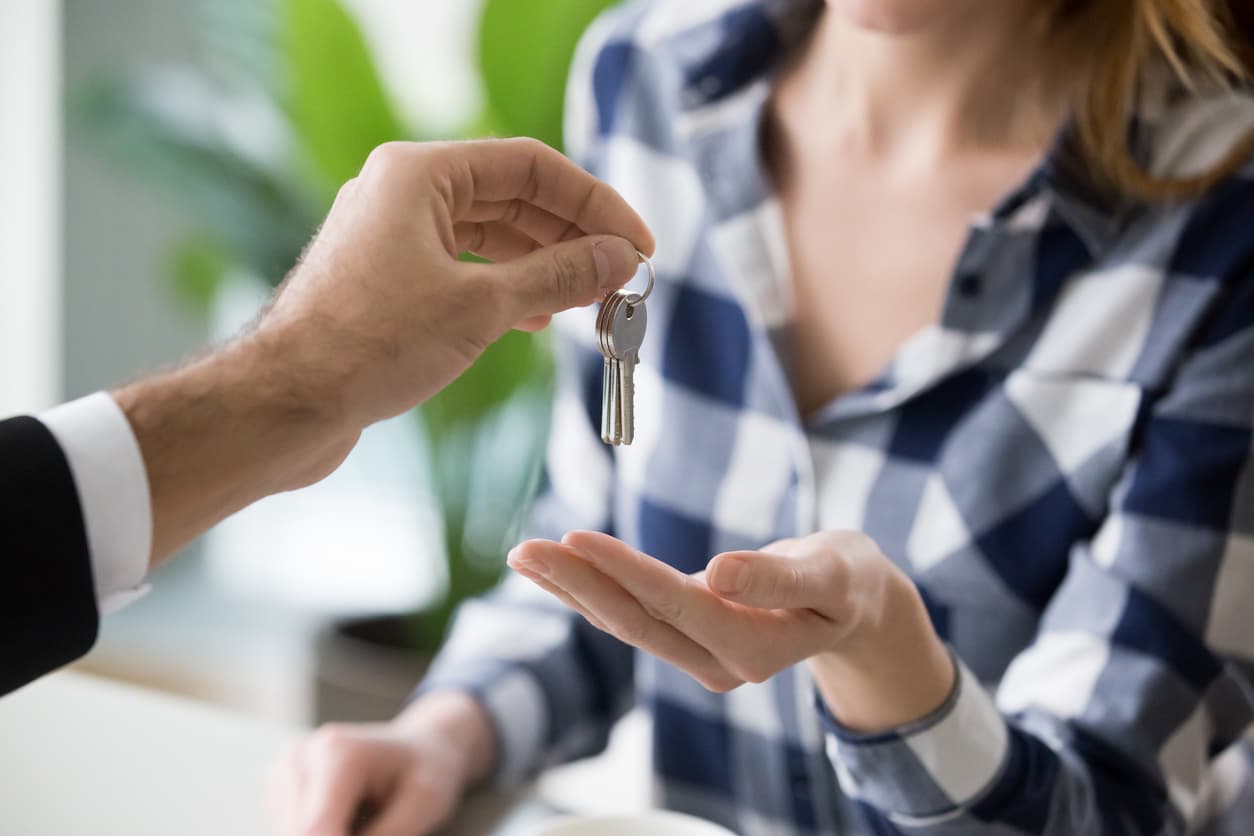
[{"x": 1062, "y": 464}]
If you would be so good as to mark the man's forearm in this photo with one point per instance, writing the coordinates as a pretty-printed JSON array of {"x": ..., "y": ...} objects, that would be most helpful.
[{"x": 222, "y": 432}]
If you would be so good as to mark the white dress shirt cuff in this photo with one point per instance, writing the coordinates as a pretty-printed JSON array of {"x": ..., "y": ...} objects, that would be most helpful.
[{"x": 112, "y": 484}]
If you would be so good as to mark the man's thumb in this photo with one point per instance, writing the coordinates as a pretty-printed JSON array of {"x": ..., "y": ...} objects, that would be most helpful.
[{"x": 566, "y": 275}]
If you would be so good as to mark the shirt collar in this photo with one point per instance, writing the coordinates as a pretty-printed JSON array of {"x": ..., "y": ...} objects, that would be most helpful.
[{"x": 752, "y": 41}]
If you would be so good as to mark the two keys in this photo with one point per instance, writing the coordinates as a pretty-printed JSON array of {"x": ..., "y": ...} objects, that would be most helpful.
[{"x": 620, "y": 333}]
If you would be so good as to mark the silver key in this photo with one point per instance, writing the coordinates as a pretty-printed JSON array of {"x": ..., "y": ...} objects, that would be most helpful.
[
  {"x": 610, "y": 430},
  {"x": 626, "y": 335},
  {"x": 607, "y": 400},
  {"x": 620, "y": 332}
]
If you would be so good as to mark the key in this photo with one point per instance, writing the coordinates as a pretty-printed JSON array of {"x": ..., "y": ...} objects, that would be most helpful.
[
  {"x": 620, "y": 330},
  {"x": 610, "y": 430},
  {"x": 626, "y": 335},
  {"x": 607, "y": 401},
  {"x": 611, "y": 416}
]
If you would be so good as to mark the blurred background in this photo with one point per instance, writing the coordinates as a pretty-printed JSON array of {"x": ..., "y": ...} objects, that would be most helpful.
[{"x": 164, "y": 162}]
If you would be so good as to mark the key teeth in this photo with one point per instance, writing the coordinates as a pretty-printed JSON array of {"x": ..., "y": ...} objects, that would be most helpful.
[{"x": 617, "y": 405}]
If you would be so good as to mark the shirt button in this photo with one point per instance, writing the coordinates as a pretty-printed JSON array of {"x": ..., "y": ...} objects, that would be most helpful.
[
  {"x": 970, "y": 286},
  {"x": 799, "y": 776},
  {"x": 710, "y": 86}
]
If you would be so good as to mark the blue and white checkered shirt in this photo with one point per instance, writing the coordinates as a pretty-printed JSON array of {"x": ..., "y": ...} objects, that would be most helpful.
[{"x": 1063, "y": 464}]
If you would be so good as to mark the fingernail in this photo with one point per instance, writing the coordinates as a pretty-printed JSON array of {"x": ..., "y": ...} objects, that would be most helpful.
[
  {"x": 615, "y": 260},
  {"x": 731, "y": 576},
  {"x": 528, "y": 565}
]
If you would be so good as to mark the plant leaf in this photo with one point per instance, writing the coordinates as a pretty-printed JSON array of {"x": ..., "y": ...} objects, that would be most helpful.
[
  {"x": 513, "y": 361},
  {"x": 197, "y": 265},
  {"x": 263, "y": 217},
  {"x": 525, "y": 49},
  {"x": 334, "y": 96},
  {"x": 240, "y": 41}
]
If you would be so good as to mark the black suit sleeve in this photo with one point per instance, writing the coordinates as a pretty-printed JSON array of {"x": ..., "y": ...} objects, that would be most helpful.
[{"x": 48, "y": 614}]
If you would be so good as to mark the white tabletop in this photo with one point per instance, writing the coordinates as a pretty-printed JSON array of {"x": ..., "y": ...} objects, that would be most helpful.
[{"x": 82, "y": 756}]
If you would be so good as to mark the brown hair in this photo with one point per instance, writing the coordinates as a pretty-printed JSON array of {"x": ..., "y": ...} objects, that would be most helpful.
[{"x": 1206, "y": 44}]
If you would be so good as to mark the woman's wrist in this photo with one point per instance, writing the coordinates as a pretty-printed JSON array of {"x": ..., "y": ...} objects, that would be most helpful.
[
  {"x": 892, "y": 670},
  {"x": 458, "y": 720}
]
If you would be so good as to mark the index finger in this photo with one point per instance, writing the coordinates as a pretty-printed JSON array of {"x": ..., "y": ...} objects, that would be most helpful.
[
  {"x": 528, "y": 170},
  {"x": 332, "y": 791}
]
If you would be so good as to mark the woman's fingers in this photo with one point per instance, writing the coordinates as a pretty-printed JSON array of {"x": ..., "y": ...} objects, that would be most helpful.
[
  {"x": 621, "y": 614},
  {"x": 334, "y": 783},
  {"x": 750, "y": 642},
  {"x": 283, "y": 790},
  {"x": 412, "y": 809},
  {"x": 675, "y": 598},
  {"x": 817, "y": 572},
  {"x": 522, "y": 567},
  {"x": 750, "y": 615},
  {"x": 775, "y": 581}
]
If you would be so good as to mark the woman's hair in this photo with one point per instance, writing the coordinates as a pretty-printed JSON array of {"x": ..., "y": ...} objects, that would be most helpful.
[{"x": 1206, "y": 44}]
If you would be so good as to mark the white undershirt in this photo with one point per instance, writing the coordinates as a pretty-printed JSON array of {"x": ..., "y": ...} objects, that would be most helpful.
[{"x": 112, "y": 483}]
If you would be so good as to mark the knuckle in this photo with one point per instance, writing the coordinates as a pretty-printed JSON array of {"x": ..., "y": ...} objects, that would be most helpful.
[
  {"x": 848, "y": 541},
  {"x": 536, "y": 150},
  {"x": 751, "y": 670},
  {"x": 669, "y": 611},
  {"x": 529, "y": 144},
  {"x": 791, "y": 579},
  {"x": 566, "y": 276},
  {"x": 634, "y": 631},
  {"x": 346, "y": 189},
  {"x": 513, "y": 212},
  {"x": 596, "y": 193},
  {"x": 333, "y": 741},
  {"x": 388, "y": 156}
]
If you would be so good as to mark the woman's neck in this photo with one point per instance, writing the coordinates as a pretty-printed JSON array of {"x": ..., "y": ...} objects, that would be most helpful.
[{"x": 971, "y": 83}]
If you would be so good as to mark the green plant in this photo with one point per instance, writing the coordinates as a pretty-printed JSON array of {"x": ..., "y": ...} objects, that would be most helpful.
[{"x": 252, "y": 153}]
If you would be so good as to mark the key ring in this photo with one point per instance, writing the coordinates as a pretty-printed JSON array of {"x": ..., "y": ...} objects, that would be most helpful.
[{"x": 648, "y": 263}]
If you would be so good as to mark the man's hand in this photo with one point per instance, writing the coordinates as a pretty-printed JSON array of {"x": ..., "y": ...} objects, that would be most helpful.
[
  {"x": 379, "y": 315},
  {"x": 832, "y": 599},
  {"x": 384, "y": 308}
]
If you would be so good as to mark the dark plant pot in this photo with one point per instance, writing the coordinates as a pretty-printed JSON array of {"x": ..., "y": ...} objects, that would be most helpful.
[{"x": 365, "y": 668}]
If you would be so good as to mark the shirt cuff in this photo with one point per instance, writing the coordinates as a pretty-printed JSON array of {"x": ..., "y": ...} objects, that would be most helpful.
[
  {"x": 112, "y": 484},
  {"x": 929, "y": 770}
]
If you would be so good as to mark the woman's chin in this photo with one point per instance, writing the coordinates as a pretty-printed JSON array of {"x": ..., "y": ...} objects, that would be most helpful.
[{"x": 890, "y": 17}]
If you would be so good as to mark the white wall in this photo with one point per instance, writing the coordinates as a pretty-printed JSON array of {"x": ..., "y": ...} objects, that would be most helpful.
[
  {"x": 30, "y": 156},
  {"x": 119, "y": 315}
]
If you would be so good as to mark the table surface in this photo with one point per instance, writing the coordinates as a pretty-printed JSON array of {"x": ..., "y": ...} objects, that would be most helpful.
[{"x": 82, "y": 755}]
